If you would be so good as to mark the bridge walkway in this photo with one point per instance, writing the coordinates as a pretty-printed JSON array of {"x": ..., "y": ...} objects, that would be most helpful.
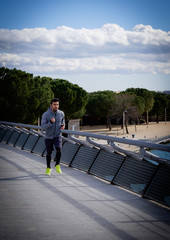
[{"x": 71, "y": 206}]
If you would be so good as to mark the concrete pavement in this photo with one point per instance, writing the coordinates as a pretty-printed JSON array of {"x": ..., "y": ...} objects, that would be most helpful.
[{"x": 71, "y": 206}]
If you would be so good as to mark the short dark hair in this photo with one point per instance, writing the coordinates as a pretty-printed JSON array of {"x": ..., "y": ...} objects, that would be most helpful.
[{"x": 55, "y": 100}]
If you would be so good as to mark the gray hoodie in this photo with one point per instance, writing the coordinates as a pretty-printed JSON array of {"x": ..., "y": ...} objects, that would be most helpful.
[{"x": 52, "y": 130}]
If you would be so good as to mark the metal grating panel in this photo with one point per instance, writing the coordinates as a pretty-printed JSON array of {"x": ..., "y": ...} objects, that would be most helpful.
[
  {"x": 159, "y": 189},
  {"x": 21, "y": 140},
  {"x": 44, "y": 153},
  {"x": 40, "y": 146},
  {"x": 7, "y": 135},
  {"x": 30, "y": 143},
  {"x": 106, "y": 165},
  {"x": 68, "y": 152},
  {"x": 2, "y": 133},
  {"x": 13, "y": 137},
  {"x": 135, "y": 174},
  {"x": 84, "y": 158}
]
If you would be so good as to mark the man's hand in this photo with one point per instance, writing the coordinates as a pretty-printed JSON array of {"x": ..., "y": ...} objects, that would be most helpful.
[
  {"x": 52, "y": 120},
  {"x": 62, "y": 127}
]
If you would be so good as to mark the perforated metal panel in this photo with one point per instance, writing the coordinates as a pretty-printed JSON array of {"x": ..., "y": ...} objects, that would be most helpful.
[
  {"x": 21, "y": 140},
  {"x": 68, "y": 152},
  {"x": 135, "y": 174},
  {"x": 7, "y": 135},
  {"x": 39, "y": 148},
  {"x": 13, "y": 138},
  {"x": 84, "y": 158},
  {"x": 159, "y": 189},
  {"x": 44, "y": 153},
  {"x": 106, "y": 165},
  {"x": 30, "y": 143},
  {"x": 2, "y": 133}
]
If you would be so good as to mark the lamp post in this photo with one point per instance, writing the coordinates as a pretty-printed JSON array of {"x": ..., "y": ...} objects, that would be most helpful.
[
  {"x": 124, "y": 120},
  {"x": 147, "y": 117},
  {"x": 165, "y": 115}
]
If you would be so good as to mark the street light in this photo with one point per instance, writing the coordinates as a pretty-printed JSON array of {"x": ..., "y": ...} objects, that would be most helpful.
[
  {"x": 165, "y": 114},
  {"x": 147, "y": 117},
  {"x": 124, "y": 120}
]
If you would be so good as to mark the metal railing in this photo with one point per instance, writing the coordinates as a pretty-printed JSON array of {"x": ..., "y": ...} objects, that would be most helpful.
[{"x": 111, "y": 142}]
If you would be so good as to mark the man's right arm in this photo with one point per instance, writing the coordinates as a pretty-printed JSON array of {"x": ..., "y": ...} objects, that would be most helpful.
[{"x": 44, "y": 123}]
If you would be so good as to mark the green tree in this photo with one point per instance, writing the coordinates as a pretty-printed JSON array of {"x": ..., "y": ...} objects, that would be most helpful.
[
  {"x": 129, "y": 105},
  {"x": 23, "y": 98},
  {"x": 72, "y": 97},
  {"x": 14, "y": 93},
  {"x": 39, "y": 97},
  {"x": 146, "y": 95},
  {"x": 160, "y": 103},
  {"x": 100, "y": 104},
  {"x": 168, "y": 105}
]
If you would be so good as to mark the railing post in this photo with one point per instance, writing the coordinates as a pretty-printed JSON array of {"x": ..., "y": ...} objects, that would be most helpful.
[{"x": 142, "y": 151}]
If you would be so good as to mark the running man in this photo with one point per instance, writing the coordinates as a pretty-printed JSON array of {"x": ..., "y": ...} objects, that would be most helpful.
[{"x": 53, "y": 122}]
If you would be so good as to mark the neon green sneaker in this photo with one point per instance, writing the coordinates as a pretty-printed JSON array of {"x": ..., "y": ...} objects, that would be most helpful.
[
  {"x": 58, "y": 169},
  {"x": 48, "y": 171}
]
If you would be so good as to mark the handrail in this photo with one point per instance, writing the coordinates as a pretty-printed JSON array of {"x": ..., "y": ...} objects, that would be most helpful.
[
  {"x": 111, "y": 153},
  {"x": 138, "y": 143},
  {"x": 21, "y": 125}
]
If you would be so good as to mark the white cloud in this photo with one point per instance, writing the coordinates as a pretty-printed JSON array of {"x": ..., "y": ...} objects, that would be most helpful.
[
  {"x": 146, "y": 35},
  {"x": 106, "y": 49}
]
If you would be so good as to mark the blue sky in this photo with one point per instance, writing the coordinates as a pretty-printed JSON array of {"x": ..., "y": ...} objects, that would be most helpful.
[{"x": 97, "y": 44}]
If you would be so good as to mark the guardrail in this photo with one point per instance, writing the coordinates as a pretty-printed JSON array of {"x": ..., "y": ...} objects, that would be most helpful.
[
  {"x": 140, "y": 172},
  {"x": 111, "y": 142}
]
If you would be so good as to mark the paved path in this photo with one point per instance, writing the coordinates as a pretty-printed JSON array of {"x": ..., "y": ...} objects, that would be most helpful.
[{"x": 71, "y": 206}]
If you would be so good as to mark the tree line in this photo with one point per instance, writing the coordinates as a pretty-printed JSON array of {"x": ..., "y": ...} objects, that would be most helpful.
[
  {"x": 134, "y": 103},
  {"x": 24, "y": 98}
]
